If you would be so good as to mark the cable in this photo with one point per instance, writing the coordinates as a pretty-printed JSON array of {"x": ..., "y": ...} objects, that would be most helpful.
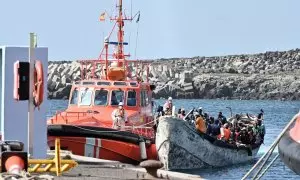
[
  {"x": 271, "y": 163},
  {"x": 136, "y": 42}
]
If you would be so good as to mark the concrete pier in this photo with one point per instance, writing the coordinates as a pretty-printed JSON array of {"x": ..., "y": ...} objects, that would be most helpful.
[{"x": 92, "y": 168}]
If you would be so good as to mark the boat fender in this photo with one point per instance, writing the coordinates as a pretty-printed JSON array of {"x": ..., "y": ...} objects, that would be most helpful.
[
  {"x": 38, "y": 91},
  {"x": 143, "y": 151}
]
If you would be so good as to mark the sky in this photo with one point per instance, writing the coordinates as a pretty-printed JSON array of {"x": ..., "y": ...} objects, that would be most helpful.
[{"x": 167, "y": 28}]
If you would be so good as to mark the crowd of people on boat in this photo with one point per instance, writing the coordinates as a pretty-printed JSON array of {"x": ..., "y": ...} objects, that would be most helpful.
[{"x": 239, "y": 130}]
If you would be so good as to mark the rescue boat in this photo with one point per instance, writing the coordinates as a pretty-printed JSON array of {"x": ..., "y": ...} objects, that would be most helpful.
[
  {"x": 85, "y": 127},
  {"x": 289, "y": 147}
]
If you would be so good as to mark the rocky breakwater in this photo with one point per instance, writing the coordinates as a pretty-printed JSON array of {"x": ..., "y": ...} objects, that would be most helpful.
[
  {"x": 269, "y": 75},
  {"x": 61, "y": 75}
]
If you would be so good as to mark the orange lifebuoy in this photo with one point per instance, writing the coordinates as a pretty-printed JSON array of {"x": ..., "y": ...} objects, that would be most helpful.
[{"x": 38, "y": 90}]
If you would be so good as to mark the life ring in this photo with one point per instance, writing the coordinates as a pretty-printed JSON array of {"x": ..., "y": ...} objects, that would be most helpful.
[{"x": 38, "y": 89}]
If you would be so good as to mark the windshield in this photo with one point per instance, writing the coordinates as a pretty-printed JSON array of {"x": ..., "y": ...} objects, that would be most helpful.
[
  {"x": 131, "y": 98},
  {"x": 74, "y": 98},
  {"x": 86, "y": 97},
  {"x": 117, "y": 96},
  {"x": 101, "y": 97}
]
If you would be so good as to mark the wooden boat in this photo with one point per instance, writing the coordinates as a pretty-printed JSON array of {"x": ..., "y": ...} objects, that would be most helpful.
[
  {"x": 85, "y": 127},
  {"x": 289, "y": 148},
  {"x": 181, "y": 146}
]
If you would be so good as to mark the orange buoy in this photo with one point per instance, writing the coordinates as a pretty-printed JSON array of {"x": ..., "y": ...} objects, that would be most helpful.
[
  {"x": 14, "y": 164},
  {"x": 38, "y": 91}
]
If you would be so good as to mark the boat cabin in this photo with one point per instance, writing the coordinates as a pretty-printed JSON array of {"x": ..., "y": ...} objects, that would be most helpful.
[{"x": 102, "y": 93}]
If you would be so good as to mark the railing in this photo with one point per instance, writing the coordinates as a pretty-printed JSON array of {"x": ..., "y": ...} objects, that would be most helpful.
[
  {"x": 140, "y": 130},
  {"x": 88, "y": 68},
  {"x": 143, "y": 131},
  {"x": 65, "y": 115}
]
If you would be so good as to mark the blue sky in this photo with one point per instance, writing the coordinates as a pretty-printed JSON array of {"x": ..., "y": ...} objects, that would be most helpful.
[{"x": 168, "y": 28}]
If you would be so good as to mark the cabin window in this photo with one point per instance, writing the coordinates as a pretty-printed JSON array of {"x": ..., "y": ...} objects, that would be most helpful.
[
  {"x": 117, "y": 96},
  {"x": 74, "y": 98},
  {"x": 133, "y": 84},
  {"x": 120, "y": 83},
  {"x": 101, "y": 97},
  {"x": 131, "y": 98},
  {"x": 88, "y": 83},
  {"x": 143, "y": 102},
  {"x": 144, "y": 98},
  {"x": 103, "y": 83},
  {"x": 86, "y": 97}
]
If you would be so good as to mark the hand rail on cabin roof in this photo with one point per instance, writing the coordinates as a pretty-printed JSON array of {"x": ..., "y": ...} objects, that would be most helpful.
[{"x": 91, "y": 72}]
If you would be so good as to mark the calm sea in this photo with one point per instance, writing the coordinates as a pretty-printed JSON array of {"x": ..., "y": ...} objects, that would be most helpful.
[{"x": 277, "y": 115}]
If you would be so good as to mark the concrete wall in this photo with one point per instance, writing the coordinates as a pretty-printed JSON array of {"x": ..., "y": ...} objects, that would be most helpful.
[{"x": 14, "y": 115}]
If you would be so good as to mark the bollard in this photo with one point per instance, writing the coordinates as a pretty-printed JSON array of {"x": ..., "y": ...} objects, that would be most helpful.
[{"x": 152, "y": 166}]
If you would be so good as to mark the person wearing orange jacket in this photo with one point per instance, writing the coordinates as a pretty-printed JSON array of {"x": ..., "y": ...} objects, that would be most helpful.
[
  {"x": 200, "y": 123},
  {"x": 225, "y": 132}
]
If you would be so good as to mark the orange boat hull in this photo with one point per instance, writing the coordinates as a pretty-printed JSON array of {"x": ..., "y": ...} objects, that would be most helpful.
[{"x": 104, "y": 149}]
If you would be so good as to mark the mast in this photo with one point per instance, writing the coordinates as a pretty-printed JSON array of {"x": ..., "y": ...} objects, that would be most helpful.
[
  {"x": 120, "y": 32},
  {"x": 118, "y": 54}
]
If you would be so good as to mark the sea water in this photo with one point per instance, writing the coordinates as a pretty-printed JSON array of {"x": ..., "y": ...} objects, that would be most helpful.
[{"x": 276, "y": 115}]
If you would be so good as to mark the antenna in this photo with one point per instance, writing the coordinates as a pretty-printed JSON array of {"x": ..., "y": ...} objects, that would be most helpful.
[{"x": 131, "y": 8}]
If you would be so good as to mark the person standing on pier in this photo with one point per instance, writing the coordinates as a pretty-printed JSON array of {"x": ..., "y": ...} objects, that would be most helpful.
[{"x": 119, "y": 117}]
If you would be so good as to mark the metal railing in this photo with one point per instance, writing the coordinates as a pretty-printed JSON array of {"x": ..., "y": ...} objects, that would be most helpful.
[{"x": 65, "y": 115}]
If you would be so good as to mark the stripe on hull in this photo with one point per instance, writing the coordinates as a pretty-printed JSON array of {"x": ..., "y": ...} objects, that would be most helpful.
[{"x": 92, "y": 147}]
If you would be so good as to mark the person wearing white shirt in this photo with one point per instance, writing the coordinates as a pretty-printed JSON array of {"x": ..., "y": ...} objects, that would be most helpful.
[{"x": 119, "y": 117}]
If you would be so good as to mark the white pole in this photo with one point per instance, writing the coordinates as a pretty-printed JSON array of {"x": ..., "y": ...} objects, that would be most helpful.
[{"x": 30, "y": 101}]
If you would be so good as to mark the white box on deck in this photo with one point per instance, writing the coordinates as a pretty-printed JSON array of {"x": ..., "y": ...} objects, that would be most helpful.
[{"x": 14, "y": 114}]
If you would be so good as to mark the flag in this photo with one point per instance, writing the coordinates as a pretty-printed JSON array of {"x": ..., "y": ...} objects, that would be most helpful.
[
  {"x": 102, "y": 17},
  {"x": 138, "y": 18}
]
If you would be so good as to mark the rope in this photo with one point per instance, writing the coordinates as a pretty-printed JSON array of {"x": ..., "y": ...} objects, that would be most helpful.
[
  {"x": 24, "y": 176},
  {"x": 275, "y": 158},
  {"x": 263, "y": 164},
  {"x": 145, "y": 124},
  {"x": 136, "y": 41},
  {"x": 108, "y": 38}
]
